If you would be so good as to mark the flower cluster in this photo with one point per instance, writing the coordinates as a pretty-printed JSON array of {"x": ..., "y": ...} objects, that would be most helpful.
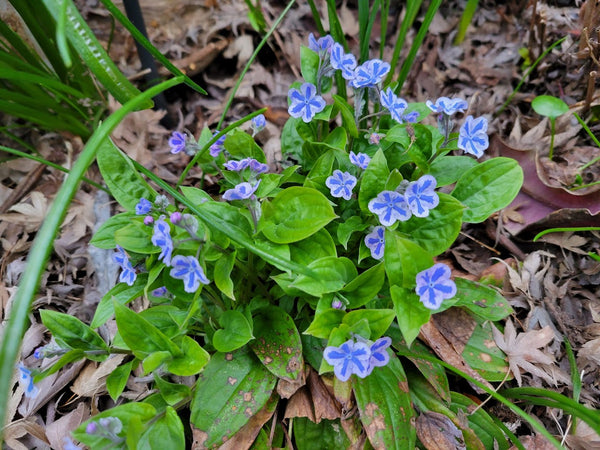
[
  {"x": 251, "y": 163},
  {"x": 357, "y": 357}
]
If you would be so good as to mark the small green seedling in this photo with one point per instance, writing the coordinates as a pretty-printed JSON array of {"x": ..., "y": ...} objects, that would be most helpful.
[{"x": 551, "y": 107}]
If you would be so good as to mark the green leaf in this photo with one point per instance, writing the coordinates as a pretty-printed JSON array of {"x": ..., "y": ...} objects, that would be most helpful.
[
  {"x": 140, "y": 335},
  {"x": 295, "y": 214},
  {"x": 242, "y": 145},
  {"x": 117, "y": 380},
  {"x": 488, "y": 187},
  {"x": 325, "y": 435},
  {"x": 410, "y": 312},
  {"x": 324, "y": 322},
  {"x": 448, "y": 169},
  {"x": 549, "y": 106},
  {"x": 121, "y": 293},
  {"x": 309, "y": 64},
  {"x": 379, "y": 320},
  {"x": 236, "y": 331},
  {"x": 191, "y": 361},
  {"x": 349, "y": 226},
  {"x": 385, "y": 407},
  {"x": 222, "y": 274},
  {"x": 483, "y": 301},
  {"x": 483, "y": 355},
  {"x": 104, "y": 237},
  {"x": 331, "y": 275},
  {"x": 136, "y": 238},
  {"x": 320, "y": 171},
  {"x": 172, "y": 393},
  {"x": 319, "y": 245},
  {"x": 231, "y": 389},
  {"x": 404, "y": 259},
  {"x": 166, "y": 432},
  {"x": 126, "y": 413},
  {"x": 337, "y": 138},
  {"x": 195, "y": 195},
  {"x": 373, "y": 180},
  {"x": 154, "y": 360},
  {"x": 291, "y": 142},
  {"x": 348, "y": 121},
  {"x": 125, "y": 184},
  {"x": 364, "y": 287},
  {"x": 438, "y": 231},
  {"x": 71, "y": 332},
  {"x": 278, "y": 345}
]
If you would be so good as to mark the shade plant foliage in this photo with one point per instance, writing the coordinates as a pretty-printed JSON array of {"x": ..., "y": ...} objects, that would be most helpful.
[{"x": 313, "y": 281}]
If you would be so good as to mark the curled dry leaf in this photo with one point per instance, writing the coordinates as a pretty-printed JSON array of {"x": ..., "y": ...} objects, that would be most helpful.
[
  {"x": 522, "y": 350},
  {"x": 438, "y": 432}
]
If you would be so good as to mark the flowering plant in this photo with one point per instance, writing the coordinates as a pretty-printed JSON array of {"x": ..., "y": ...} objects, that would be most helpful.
[{"x": 327, "y": 266}]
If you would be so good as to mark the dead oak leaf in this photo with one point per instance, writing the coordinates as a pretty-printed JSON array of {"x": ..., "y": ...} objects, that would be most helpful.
[{"x": 522, "y": 350}]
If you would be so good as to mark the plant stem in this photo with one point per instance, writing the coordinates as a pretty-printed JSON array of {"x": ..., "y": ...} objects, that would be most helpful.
[{"x": 552, "y": 132}]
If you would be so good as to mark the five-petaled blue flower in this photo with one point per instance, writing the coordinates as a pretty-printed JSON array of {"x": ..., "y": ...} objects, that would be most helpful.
[
  {"x": 321, "y": 45},
  {"x": 361, "y": 160},
  {"x": 143, "y": 207},
  {"x": 188, "y": 269},
  {"x": 350, "y": 357},
  {"x": 241, "y": 191},
  {"x": 393, "y": 104},
  {"x": 434, "y": 285},
  {"x": 390, "y": 206},
  {"x": 26, "y": 382},
  {"x": 305, "y": 102},
  {"x": 217, "y": 147},
  {"x": 379, "y": 355},
  {"x": 448, "y": 106},
  {"x": 472, "y": 137},
  {"x": 177, "y": 142},
  {"x": 341, "y": 184},
  {"x": 340, "y": 60},
  {"x": 370, "y": 73},
  {"x": 421, "y": 196},
  {"x": 161, "y": 237},
  {"x": 375, "y": 241},
  {"x": 128, "y": 274}
]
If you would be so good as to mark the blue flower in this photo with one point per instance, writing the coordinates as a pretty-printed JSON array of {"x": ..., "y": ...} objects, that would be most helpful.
[
  {"x": 448, "y": 106},
  {"x": 237, "y": 166},
  {"x": 411, "y": 117},
  {"x": 370, "y": 73},
  {"x": 161, "y": 237},
  {"x": 341, "y": 184},
  {"x": 177, "y": 142},
  {"x": 128, "y": 274},
  {"x": 361, "y": 160},
  {"x": 258, "y": 167},
  {"x": 434, "y": 285},
  {"x": 472, "y": 137},
  {"x": 188, "y": 269},
  {"x": 26, "y": 382},
  {"x": 390, "y": 206},
  {"x": 340, "y": 60},
  {"x": 379, "y": 354},
  {"x": 305, "y": 102},
  {"x": 68, "y": 444},
  {"x": 375, "y": 241},
  {"x": 321, "y": 45},
  {"x": 375, "y": 138},
  {"x": 160, "y": 292},
  {"x": 143, "y": 207},
  {"x": 241, "y": 191},
  {"x": 393, "y": 104},
  {"x": 217, "y": 147},
  {"x": 350, "y": 357},
  {"x": 258, "y": 123},
  {"x": 421, "y": 196}
]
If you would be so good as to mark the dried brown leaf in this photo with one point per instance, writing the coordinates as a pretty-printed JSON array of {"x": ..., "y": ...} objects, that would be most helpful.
[
  {"x": 522, "y": 350},
  {"x": 437, "y": 432}
]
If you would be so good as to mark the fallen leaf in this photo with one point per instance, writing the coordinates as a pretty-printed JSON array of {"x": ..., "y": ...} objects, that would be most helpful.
[
  {"x": 522, "y": 350},
  {"x": 438, "y": 432}
]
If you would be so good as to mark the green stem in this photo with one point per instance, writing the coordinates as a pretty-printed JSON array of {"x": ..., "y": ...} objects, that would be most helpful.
[
  {"x": 40, "y": 251},
  {"x": 552, "y": 132},
  {"x": 594, "y": 138}
]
